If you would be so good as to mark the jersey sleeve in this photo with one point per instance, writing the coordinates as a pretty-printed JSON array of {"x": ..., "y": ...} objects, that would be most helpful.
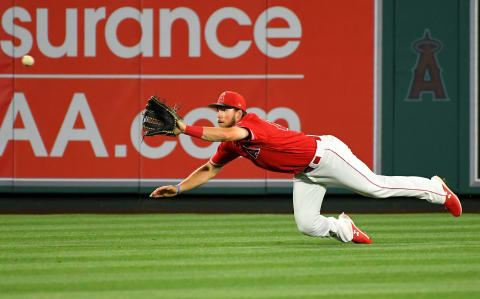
[
  {"x": 254, "y": 131},
  {"x": 225, "y": 153}
]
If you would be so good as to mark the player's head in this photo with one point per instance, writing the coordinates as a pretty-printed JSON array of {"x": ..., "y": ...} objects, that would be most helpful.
[{"x": 230, "y": 107}]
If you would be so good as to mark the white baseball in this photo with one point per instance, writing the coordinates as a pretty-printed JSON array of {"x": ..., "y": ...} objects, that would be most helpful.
[{"x": 28, "y": 60}]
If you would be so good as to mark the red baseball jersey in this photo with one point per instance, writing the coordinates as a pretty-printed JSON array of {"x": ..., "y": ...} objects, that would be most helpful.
[{"x": 269, "y": 146}]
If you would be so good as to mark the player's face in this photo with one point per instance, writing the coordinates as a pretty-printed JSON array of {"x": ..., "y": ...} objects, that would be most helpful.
[{"x": 228, "y": 117}]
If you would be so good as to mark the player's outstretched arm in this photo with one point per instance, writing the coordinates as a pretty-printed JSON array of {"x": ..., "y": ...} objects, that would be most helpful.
[
  {"x": 213, "y": 134},
  {"x": 195, "y": 179},
  {"x": 224, "y": 134}
]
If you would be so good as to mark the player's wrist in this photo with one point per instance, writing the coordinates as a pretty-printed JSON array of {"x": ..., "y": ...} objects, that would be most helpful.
[
  {"x": 179, "y": 190},
  {"x": 181, "y": 126},
  {"x": 194, "y": 131}
]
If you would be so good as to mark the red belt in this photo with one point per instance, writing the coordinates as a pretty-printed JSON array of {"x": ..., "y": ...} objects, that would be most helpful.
[{"x": 316, "y": 159}]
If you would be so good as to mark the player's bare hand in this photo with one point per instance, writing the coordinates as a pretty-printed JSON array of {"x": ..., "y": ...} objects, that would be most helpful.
[
  {"x": 164, "y": 191},
  {"x": 180, "y": 128}
]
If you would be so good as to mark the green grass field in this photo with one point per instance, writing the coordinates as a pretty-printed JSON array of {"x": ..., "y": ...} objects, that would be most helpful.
[{"x": 235, "y": 256}]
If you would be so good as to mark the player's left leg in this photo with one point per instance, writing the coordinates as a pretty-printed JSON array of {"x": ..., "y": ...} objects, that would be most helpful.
[
  {"x": 340, "y": 166},
  {"x": 307, "y": 202}
]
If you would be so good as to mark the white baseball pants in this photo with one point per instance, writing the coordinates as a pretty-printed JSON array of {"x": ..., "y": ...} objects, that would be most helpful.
[{"x": 339, "y": 166}]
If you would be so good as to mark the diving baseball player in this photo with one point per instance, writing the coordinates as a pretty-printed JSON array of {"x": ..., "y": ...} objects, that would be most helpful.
[{"x": 315, "y": 161}]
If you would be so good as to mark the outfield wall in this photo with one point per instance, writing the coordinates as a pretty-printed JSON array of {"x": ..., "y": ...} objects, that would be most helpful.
[
  {"x": 429, "y": 90},
  {"x": 71, "y": 122}
]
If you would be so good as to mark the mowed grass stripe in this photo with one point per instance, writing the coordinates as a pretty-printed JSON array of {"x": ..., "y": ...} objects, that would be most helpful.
[
  {"x": 167, "y": 219},
  {"x": 166, "y": 237},
  {"x": 9, "y": 223},
  {"x": 375, "y": 283},
  {"x": 300, "y": 275},
  {"x": 204, "y": 255},
  {"x": 223, "y": 265},
  {"x": 148, "y": 227},
  {"x": 158, "y": 228},
  {"x": 325, "y": 247},
  {"x": 34, "y": 230},
  {"x": 160, "y": 224},
  {"x": 249, "y": 270},
  {"x": 253, "y": 228},
  {"x": 319, "y": 290},
  {"x": 393, "y": 291},
  {"x": 321, "y": 253},
  {"x": 200, "y": 219},
  {"x": 15, "y": 265},
  {"x": 215, "y": 241},
  {"x": 233, "y": 270},
  {"x": 8, "y": 230},
  {"x": 226, "y": 258},
  {"x": 132, "y": 234}
]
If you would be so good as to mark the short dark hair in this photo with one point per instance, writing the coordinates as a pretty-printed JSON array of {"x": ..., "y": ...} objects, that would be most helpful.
[{"x": 243, "y": 111}]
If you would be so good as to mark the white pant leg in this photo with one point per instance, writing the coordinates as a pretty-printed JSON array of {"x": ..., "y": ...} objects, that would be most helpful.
[
  {"x": 307, "y": 201},
  {"x": 341, "y": 167}
]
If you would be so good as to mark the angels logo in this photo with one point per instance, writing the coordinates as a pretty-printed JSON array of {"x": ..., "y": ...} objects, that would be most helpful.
[
  {"x": 426, "y": 76},
  {"x": 252, "y": 152},
  {"x": 221, "y": 99}
]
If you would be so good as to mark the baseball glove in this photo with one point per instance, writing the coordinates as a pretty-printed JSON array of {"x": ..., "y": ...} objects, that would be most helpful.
[{"x": 159, "y": 118}]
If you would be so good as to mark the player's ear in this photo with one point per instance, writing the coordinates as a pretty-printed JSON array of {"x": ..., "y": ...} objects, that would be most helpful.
[{"x": 238, "y": 115}]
